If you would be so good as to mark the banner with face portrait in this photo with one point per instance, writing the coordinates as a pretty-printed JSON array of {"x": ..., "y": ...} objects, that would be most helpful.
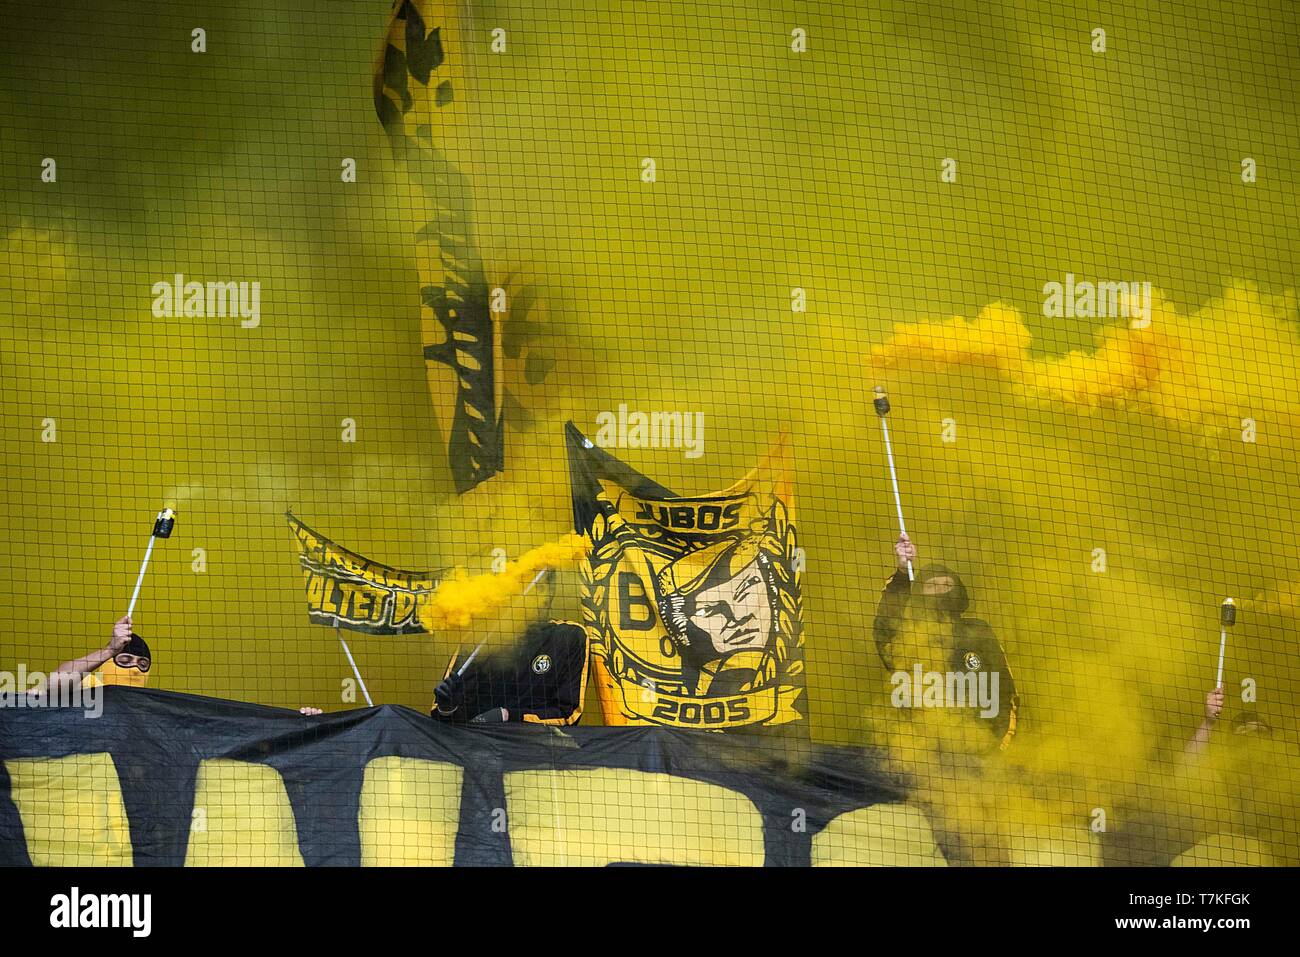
[
  {"x": 692, "y": 604},
  {"x": 347, "y": 590}
]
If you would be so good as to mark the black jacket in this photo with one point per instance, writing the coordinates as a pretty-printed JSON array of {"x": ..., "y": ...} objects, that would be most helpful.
[
  {"x": 541, "y": 681},
  {"x": 971, "y": 643}
]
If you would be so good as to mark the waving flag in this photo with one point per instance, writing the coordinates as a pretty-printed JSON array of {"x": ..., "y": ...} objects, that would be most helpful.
[
  {"x": 692, "y": 604},
  {"x": 345, "y": 590},
  {"x": 485, "y": 324},
  {"x": 422, "y": 95}
]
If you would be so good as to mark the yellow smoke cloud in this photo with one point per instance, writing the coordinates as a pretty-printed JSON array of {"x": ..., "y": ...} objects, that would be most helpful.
[
  {"x": 1099, "y": 504},
  {"x": 1230, "y": 361},
  {"x": 39, "y": 267},
  {"x": 1284, "y": 600},
  {"x": 464, "y": 598}
]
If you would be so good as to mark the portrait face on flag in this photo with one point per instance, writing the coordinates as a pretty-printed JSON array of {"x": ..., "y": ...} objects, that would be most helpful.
[
  {"x": 693, "y": 605},
  {"x": 718, "y": 603}
]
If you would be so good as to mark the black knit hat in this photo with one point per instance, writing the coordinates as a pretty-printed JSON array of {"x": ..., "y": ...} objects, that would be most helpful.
[
  {"x": 956, "y": 600},
  {"x": 137, "y": 647}
]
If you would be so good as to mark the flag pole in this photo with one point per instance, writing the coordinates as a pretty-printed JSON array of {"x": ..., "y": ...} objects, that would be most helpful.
[
  {"x": 1227, "y": 618},
  {"x": 355, "y": 670},
  {"x": 162, "y": 528},
  {"x": 474, "y": 654},
  {"x": 881, "y": 402}
]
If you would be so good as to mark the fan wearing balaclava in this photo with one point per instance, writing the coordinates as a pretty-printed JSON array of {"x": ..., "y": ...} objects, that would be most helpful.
[
  {"x": 540, "y": 679},
  {"x": 936, "y": 603},
  {"x": 130, "y": 666},
  {"x": 938, "y": 592},
  {"x": 125, "y": 660}
]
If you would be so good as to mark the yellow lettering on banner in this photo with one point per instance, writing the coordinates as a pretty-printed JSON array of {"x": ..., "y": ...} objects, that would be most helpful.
[
  {"x": 72, "y": 810},
  {"x": 409, "y": 813},
  {"x": 351, "y": 562},
  {"x": 347, "y": 600},
  {"x": 403, "y": 606},
  {"x": 883, "y": 835},
  {"x": 315, "y": 588},
  {"x": 363, "y": 603},
  {"x": 248, "y": 821},
  {"x": 592, "y": 818},
  {"x": 308, "y": 543},
  {"x": 328, "y": 602}
]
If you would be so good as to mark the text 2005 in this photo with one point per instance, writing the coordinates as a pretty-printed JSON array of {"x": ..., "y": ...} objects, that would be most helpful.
[{"x": 708, "y": 712}]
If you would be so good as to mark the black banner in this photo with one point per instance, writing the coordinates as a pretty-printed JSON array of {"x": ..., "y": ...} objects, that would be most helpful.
[
  {"x": 158, "y": 778},
  {"x": 421, "y": 91}
]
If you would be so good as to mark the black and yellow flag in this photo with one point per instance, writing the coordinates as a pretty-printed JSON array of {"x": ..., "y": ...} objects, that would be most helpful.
[
  {"x": 422, "y": 96},
  {"x": 345, "y": 590},
  {"x": 485, "y": 323},
  {"x": 692, "y": 604}
]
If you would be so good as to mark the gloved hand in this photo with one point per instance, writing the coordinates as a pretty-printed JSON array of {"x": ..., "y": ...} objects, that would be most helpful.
[
  {"x": 449, "y": 694},
  {"x": 491, "y": 716}
]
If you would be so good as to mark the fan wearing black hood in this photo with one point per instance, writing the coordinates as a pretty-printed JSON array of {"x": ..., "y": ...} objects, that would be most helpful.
[
  {"x": 938, "y": 595},
  {"x": 541, "y": 681},
  {"x": 125, "y": 660}
]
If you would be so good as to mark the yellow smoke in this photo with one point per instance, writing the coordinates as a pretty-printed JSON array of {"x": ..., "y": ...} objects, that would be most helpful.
[
  {"x": 1132, "y": 444},
  {"x": 1284, "y": 600},
  {"x": 39, "y": 266},
  {"x": 463, "y": 598},
  {"x": 1099, "y": 504},
  {"x": 1203, "y": 369}
]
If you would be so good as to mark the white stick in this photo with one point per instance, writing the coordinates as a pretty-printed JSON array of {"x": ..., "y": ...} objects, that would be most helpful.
[
  {"x": 474, "y": 654},
  {"x": 348, "y": 651},
  {"x": 140, "y": 581},
  {"x": 536, "y": 579},
  {"x": 1223, "y": 644},
  {"x": 898, "y": 499}
]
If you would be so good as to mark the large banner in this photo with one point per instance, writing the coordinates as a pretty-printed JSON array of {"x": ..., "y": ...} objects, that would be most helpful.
[
  {"x": 422, "y": 97},
  {"x": 693, "y": 604},
  {"x": 485, "y": 317},
  {"x": 163, "y": 779},
  {"x": 347, "y": 590}
]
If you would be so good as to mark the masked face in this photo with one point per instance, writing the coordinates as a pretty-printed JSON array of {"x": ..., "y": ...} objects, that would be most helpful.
[
  {"x": 133, "y": 676},
  {"x": 735, "y": 614},
  {"x": 938, "y": 585},
  {"x": 934, "y": 593},
  {"x": 130, "y": 666},
  {"x": 939, "y": 593},
  {"x": 140, "y": 663},
  {"x": 1251, "y": 729}
]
